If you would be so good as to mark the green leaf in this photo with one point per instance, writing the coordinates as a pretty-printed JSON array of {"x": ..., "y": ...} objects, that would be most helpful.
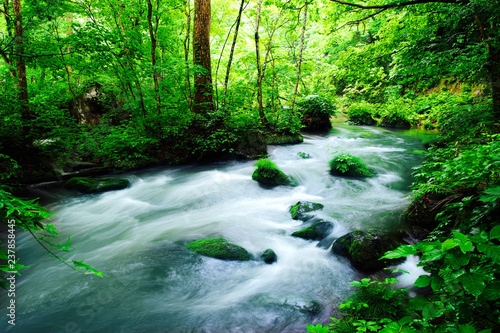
[
  {"x": 466, "y": 247},
  {"x": 495, "y": 232},
  {"x": 492, "y": 291},
  {"x": 449, "y": 244},
  {"x": 422, "y": 281},
  {"x": 467, "y": 328},
  {"x": 391, "y": 328},
  {"x": 431, "y": 311},
  {"x": 461, "y": 237},
  {"x": 401, "y": 251},
  {"x": 473, "y": 283}
]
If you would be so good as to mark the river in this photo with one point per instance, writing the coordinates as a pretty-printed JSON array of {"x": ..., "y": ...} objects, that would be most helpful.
[{"x": 137, "y": 236}]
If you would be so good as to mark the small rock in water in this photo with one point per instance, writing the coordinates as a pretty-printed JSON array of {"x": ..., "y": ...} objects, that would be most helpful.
[
  {"x": 317, "y": 231},
  {"x": 300, "y": 209},
  {"x": 269, "y": 256}
]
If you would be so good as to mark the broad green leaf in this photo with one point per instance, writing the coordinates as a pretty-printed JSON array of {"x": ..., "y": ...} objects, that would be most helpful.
[
  {"x": 456, "y": 259},
  {"x": 391, "y": 328},
  {"x": 495, "y": 232},
  {"x": 431, "y": 311},
  {"x": 492, "y": 291},
  {"x": 422, "y": 281},
  {"x": 402, "y": 251},
  {"x": 473, "y": 283},
  {"x": 461, "y": 237},
  {"x": 467, "y": 328},
  {"x": 466, "y": 247},
  {"x": 449, "y": 244},
  {"x": 437, "y": 283}
]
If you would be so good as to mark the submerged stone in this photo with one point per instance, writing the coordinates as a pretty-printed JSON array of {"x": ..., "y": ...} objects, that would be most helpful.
[
  {"x": 363, "y": 249},
  {"x": 96, "y": 185},
  {"x": 317, "y": 231},
  {"x": 219, "y": 248},
  {"x": 300, "y": 209},
  {"x": 269, "y": 256}
]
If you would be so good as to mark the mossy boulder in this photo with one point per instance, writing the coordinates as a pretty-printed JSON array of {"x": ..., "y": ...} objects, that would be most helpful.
[
  {"x": 269, "y": 256},
  {"x": 317, "y": 231},
  {"x": 219, "y": 248},
  {"x": 363, "y": 249},
  {"x": 268, "y": 174},
  {"x": 96, "y": 185},
  {"x": 349, "y": 166},
  {"x": 301, "y": 209}
]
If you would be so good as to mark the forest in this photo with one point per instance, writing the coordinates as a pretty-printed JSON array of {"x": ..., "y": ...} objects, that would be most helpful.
[{"x": 114, "y": 87}]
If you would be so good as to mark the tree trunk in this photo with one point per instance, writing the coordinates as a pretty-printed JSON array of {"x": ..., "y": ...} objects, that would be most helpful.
[
  {"x": 233, "y": 46},
  {"x": 300, "y": 59},
  {"x": 494, "y": 67},
  {"x": 263, "y": 118},
  {"x": 19, "y": 47},
  {"x": 152, "y": 35},
  {"x": 203, "y": 89},
  {"x": 187, "y": 41}
]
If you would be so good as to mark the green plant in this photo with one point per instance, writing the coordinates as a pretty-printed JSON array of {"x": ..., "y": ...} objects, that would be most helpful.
[
  {"x": 315, "y": 105},
  {"x": 348, "y": 165},
  {"x": 267, "y": 173},
  {"x": 361, "y": 113}
]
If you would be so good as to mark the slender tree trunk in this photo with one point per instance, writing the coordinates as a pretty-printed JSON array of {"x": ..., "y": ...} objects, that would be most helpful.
[
  {"x": 8, "y": 24},
  {"x": 262, "y": 115},
  {"x": 19, "y": 46},
  {"x": 203, "y": 89},
  {"x": 152, "y": 35},
  {"x": 300, "y": 58},
  {"x": 231, "y": 54},
  {"x": 187, "y": 42}
]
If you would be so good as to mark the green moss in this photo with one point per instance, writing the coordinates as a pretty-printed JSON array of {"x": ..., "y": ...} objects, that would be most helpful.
[
  {"x": 267, "y": 173},
  {"x": 349, "y": 166},
  {"x": 219, "y": 248},
  {"x": 317, "y": 231},
  {"x": 304, "y": 155},
  {"x": 96, "y": 185},
  {"x": 284, "y": 139},
  {"x": 269, "y": 256},
  {"x": 299, "y": 210}
]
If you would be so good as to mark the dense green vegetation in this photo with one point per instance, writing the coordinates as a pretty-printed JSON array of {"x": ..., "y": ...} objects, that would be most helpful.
[{"x": 125, "y": 84}]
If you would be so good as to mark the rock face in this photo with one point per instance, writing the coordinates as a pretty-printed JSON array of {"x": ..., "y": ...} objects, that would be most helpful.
[
  {"x": 316, "y": 122},
  {"x": 349, "y": 166},
  {"x": 96, "y": 185},
  {"x": 363, "y": 249},
  {"x": 219, "y": 248},
  {"x": 301, "y": 209},
  {"x": 269, "y": 256},
  {"x": 317, "y": 231},
  {"x": 268, "y": 174}
]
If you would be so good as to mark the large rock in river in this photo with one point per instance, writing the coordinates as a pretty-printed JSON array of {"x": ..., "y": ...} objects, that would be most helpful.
[
  {"x": 363, "y": 249},
  {"x": 219, "y": 248},
  {"x": 317, "y": 231},
  {"x": 268, "y": 174},
  {"x": 301, "y": 209},
  {"x": 96, "y": 185}
]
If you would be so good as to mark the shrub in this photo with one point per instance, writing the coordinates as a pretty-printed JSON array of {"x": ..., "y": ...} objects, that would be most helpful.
[
  {"x": 349, "y": 166},
  {"x": 315, "y": 105},
  {"x": 361, "y": 113}
]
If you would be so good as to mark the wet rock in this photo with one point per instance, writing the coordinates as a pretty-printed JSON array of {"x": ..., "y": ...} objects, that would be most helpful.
[
  {"x": 317, "y": 231},
  {"x": 363, "y": 249},
  {"x": 269, "y": 256},
  {"x": 96, "y": 185},
  {"x": 305, "y": 306},
  {"x": 301, "y": 209},
  {"x": 219, "y": 248},
  {"x": 268, "y": 174}
]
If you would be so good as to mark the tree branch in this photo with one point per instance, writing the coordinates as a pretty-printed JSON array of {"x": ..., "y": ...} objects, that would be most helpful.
[{"x": 396, "y": 5}]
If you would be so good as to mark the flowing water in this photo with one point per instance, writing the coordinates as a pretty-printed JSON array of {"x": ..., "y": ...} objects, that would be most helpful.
[{"x": 137, "y": 236}]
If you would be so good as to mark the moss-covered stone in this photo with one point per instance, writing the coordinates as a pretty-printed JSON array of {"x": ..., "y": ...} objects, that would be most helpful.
[
  {"x": 300, "y": 209},
  {"x": 219, "y": 248},
  {"x": 268, "y": 174},
  {"x": 269, "y": 256},
  {"x": 349, "y": 166},
  {"x": 363, "y": 249},
  {"x": 96, "y": 185},
  {"x": 317, "y": 231}
]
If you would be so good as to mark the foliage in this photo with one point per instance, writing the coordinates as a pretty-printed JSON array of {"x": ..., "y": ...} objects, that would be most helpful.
[
  {"x": 96, "y": 185},
  {"x": 268, "y": 173},
  {"x": 350, "y": 166},
  {"x": 29, "y": 216},
  {"x": 315, "y": 105},
  {"x": 361, "y": 113}
]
